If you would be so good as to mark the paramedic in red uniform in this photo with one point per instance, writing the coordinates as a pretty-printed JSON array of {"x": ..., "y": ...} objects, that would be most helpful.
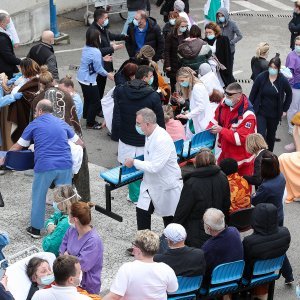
[{"x": 234, "y": 121}]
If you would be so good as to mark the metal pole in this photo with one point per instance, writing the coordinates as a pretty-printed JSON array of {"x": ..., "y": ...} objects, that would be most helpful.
[{"x": 53, "y": 19}]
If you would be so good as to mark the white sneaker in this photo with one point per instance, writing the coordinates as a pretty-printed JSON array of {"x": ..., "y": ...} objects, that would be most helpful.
[
  {"x": 2, "y": 172},
  {"x": 290, "y": 147}
]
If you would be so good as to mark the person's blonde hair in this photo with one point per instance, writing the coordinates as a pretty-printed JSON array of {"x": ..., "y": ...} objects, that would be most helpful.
[
  {"x": 168, "y": 113},
  {"x": 45, "y": 76},
  {"x": 146, "y": 52},
  {"x": 262, "y": 49},
  {"x": 187, "y": 72},
  {"x": 147, "y": 241},
  {"x": 255, "y": 142},
  {"x": 64, "y": 196}
]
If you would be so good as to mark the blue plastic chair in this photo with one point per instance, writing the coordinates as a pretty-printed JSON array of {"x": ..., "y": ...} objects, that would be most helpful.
[
  {"x": 19, "y": 160},
  {"x": 265, "y": 271},
  {"x": 204, "y": 139},
  {"x": 187, "y": 286},
  {"x": 179, "y": 147},
  {"x": 225, "y": 279}
]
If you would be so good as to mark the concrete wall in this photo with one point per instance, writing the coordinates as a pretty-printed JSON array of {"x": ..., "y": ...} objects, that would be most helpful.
[{"x": 31, "y": 17}]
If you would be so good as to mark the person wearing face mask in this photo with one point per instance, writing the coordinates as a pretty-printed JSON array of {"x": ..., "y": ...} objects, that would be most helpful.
[
  {"x": 40, "y": 274},
  {"x": 176, "y": 37},
  {"x": 271, "y": 96},
  {"x": 58, "y": 223},
  {"x": 8, "y": 59},
  {"x": 107, "y": 45},
  {"x": 161, "y": 186},
  {"x": 82, "y": 240},
  {"x": 294, "y": 24},
  {"x": 293, "y": 63},
  {"x": 192, "y": 89},
  {"x": 220, "y": 46},
  {"x": 225, "y": 244},
  {"x": 234, "y": 120},
  {"x": 259, "y": 62},
  {"x": 11, "y": 31},
  {"x": 173, "y": 15},
  {"x": 43, "y": 53},
  {"x": 229, "y": 28},
  {"x": 142, "y": 31},
  {"x": 67, "y": 276}
]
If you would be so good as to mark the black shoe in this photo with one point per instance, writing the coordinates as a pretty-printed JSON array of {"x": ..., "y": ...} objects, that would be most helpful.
[
  {"x": 129, "y": 251},
  {"x": 33, "y": 232},
  {"x": 289, "y": 281},
  {"x": 277, "y": 139}
]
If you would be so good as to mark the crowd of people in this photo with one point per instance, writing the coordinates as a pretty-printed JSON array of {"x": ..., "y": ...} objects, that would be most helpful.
[{"x": 146, "y": 113}]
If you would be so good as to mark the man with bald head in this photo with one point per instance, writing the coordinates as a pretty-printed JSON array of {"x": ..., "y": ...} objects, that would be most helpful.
[
  {"x": 52, "y": 158},
  {"x": 43, "y": 53}
]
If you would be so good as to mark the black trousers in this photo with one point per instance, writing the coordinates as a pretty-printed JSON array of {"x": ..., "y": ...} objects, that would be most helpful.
[
  {"x": 91, "y": 103},
  {"x": 101, "y": 83},
  {"x": 143, "y": 218},
  {"x": 267, "y": 127}
]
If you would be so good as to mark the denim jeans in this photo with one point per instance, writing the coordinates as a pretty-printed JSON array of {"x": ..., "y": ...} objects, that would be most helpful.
[{"x": 40, "y": 185}]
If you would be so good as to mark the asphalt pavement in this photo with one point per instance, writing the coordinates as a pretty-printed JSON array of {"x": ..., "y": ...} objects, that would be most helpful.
[{"x": 259, "y": 20}]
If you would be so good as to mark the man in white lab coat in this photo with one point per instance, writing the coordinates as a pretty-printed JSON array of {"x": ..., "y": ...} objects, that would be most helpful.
[{"x": 161, "y": 186}]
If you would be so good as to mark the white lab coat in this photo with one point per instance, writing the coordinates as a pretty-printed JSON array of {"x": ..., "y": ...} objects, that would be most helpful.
[
  {"x": 162, "y": 175},
  {"x": 108, "y": 107},
  {"x": 211, "y": 82},
  {"x": 199, "y": 106}
]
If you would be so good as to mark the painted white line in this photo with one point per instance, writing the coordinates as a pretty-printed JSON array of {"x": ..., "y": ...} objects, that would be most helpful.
[
  {"x": 237, "y": 72},
  {"x": 68, "y": 50},
  {"x": 239, "y": 11},
  {"x": 277, "y": 4},
  {"x": 250, "y": 6}
]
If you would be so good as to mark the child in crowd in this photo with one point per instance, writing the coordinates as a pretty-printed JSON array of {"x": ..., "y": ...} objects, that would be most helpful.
[
  {"x": 58, "y": 223},
  {"x": 240, "y": 190},
  {"x": 67, "y": 85}
]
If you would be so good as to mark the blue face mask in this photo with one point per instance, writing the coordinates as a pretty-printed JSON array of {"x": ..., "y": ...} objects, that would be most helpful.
[
  {"x": 151, "y": 80},
  {"x": 211, "y": 36},
  {"x": 55, "y": 206},
  {"x": 273, "y": 71},
  {"x": 222, "y": 19},
  {"x": 135, "y": 22},
  {"x": 228, "y": 102},
  {"x": 172, "y": 22},
  {"x": 105, "y": 23},
  {"x": 184, "y": 84},
  {"x": 48, "y": 279},
  {"x": 182, "y": 29},
  {"x": 297, "y": 49},
  {"x": 139, "y": 130}
]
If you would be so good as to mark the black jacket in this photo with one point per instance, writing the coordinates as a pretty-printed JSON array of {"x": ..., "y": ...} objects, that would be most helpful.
[
  {"x": 129, "y": 98},
  {"x": 284, "y": 89},
  {"x": 154, "y": 38},
  {"x": 268, "y": 240},
  {"x": 185, "y": 261},
  {"x": 105, "y": 47},
  {"x": 8, "y": 60},
  {"x": 43, "y": 54},
  {"x": 203, "y": 188},
  {"x": 294, "y": 28},
  {"x": 134, "y": 5},
  {"x": 258, "y": 65},
  {"x": 223, "y": 54}
]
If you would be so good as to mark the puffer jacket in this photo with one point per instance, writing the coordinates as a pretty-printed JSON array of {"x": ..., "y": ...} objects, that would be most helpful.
[
  {"x": 129, "y": 98},
  {"x": 268, "y": 239},
  {"x": 229, "y": 29},
  {"x": 294, "y": 28}
]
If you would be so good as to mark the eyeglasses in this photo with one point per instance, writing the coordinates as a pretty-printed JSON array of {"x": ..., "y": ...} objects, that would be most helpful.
[{"x": 231, "y": 94}]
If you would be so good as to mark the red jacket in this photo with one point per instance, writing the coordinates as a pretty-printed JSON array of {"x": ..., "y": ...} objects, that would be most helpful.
[{"x": 237, "y": 124}]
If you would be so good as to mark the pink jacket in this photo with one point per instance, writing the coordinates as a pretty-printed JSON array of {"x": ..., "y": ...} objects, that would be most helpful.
[{"x": 175, "y": 130}]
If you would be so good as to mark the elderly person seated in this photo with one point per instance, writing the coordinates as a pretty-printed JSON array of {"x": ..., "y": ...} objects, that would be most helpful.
[
  {"x": 67, "y": 275},
  {"x": 184, "y": 260},
  {"x": 267, "y": 241},
  {"x": 205, "y": 187},
  {"x": 225, "y": 244},
  {"x": 143, "y": 278},
  {"x": 173, "y": 127}
]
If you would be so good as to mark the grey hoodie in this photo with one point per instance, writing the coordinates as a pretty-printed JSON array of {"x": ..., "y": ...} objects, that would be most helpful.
[{"x": 229, "y": 28}]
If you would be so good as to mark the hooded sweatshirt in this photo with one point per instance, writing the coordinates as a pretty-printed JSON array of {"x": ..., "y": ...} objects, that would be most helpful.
[
  {"x": 268, "y": 239},
  {"x": 229, "y": 29},
  {"x": 130, "y": 98}
]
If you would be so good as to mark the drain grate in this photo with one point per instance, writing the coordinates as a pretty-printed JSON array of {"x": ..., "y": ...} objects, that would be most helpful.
[{"x": 262, "y": 15}]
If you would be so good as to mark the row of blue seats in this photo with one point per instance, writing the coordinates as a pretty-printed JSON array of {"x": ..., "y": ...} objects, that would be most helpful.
[{"x": 228, "y": 279}]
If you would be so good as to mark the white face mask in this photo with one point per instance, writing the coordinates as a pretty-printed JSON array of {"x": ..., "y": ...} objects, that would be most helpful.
[
  {"x": 79, "y": 279},
  {"x": 71, "y": 224}
]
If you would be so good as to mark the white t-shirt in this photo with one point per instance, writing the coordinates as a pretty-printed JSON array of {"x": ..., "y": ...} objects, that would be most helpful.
[
  {"x": 59, "y": 293},
  {"x": 139, "y": 280}
]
